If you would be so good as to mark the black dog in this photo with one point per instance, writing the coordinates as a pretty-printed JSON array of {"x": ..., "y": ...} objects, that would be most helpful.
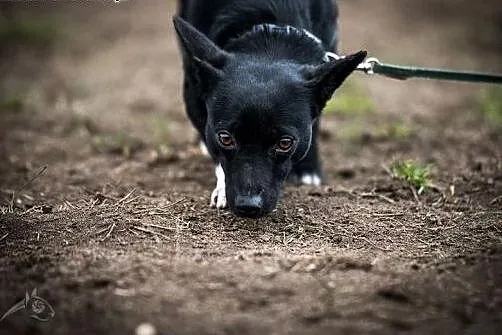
[{"x": 256, "y": 81}]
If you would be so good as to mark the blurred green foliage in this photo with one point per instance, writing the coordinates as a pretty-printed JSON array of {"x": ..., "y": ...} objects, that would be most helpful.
[
  {"x": 490, "y": 105},
  {"x": 350, "y": 100},
  {"x": 413, "y": 173},
  {"x": 26, "y": 29}
]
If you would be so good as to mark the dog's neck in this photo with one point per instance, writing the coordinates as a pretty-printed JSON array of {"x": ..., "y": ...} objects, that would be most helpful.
[{"x": 279, "y": 43}]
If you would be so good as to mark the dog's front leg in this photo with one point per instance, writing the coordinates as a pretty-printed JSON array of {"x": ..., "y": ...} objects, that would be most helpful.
[
  {"x": 308, "y": 171},
  {"x": 219, "y": 197}
]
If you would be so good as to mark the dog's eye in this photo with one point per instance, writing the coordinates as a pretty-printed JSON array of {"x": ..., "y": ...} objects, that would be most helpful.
[
  {"x": 285, "y": 144},
  {"x": 226, "y": 140}
]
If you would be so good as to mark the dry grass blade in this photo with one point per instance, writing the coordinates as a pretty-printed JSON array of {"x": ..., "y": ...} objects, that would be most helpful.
[
  {"x": 125, "y": 197},
  {"x": 4, "y": 237},
  {"x": 101, "y": 231},
  {"x": 415, "y": 195},
  {"x": 387, "y": 215},
  {"x": 110, "y": 230},
  {"x": 379, "y": 196},
  {"x": 150, "y": 232},
  {"x": 495, "y": 200},
  {"x": 158, "y": 211},
  {"x": 371, "y": 243},
  {"x": 159, "y": 227}
]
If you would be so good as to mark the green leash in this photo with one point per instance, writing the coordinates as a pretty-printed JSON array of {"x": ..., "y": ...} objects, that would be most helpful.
[
  {"x": 406, "y": 72},
  {"x": 374, "y": 66}
]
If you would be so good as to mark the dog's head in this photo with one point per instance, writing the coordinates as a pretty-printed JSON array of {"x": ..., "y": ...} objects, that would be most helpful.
[{"x": 259, "y": 114}]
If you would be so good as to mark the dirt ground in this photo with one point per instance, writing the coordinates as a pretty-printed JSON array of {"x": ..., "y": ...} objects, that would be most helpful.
[{"x": 116, "y": 239}]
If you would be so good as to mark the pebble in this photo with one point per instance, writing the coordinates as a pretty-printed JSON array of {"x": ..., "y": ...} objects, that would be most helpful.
[{"x": 145, "y": 329}]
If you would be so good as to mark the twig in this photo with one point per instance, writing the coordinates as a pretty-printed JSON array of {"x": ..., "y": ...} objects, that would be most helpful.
[
  {"x": 487, "y": 212},
  {"x": 69, "y": 204},
  {"x": 134, "y": 232},
  {"x": 112, "y": 227},
  {"x": 93, "y": 203},
  {"x": 415, "y": 194},
  {"x": 3, "y": 237},
  {"x": 348, "y": 235},
  {"x": 423, "y": 242},
  {"x": 175, "y": 203},
  {"x": 385, "y": 215},
  {"x": 495, "y": 200},
  {"x": 125, "y": 197},
  {"x": 150, "y": 232},
  {"x": 371, "y": 243},
  {"x": 130, "y": 200},
  {"x": 158, "y": 210},
  {"x": 99, "y": 232},
  {"x": 380, "y": 196},
  {"x": 158, "y": 226}
]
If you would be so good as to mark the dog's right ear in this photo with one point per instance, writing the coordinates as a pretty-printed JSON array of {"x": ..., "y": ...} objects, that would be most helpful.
[{"x": 206, "y": 56}]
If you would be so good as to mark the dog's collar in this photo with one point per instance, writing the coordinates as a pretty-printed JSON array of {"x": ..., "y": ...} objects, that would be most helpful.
[
  {"x": 287, "y": 29},
  {"x": 330, "y": 56}
]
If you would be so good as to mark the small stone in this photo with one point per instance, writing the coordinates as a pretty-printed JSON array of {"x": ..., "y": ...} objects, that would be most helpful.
[
  {"x": 270, "y": 272},
  {"x": 146, "y": 329}
]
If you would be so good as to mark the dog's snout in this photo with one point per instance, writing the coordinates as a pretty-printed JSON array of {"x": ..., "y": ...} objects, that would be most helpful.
[{"x": 249, "y": 205}]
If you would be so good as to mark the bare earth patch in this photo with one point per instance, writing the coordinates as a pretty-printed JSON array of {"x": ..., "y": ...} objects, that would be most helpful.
[{"x": 104, "y": 193}]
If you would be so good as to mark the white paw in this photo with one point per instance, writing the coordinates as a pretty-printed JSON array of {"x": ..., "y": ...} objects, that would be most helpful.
[
  {"x": 203, "y": 149},
  {"x": 219, "y": 197},
  {"x": 311, "y": 179}
]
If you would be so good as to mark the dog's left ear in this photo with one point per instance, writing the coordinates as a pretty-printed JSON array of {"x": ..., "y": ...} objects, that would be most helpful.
[
  {"x": 206, "y": 56},
  {"x": 326, "y": 78}
]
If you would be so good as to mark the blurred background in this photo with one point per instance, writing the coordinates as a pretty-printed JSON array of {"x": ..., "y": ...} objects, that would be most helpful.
[{"x": 113, "y": 70}]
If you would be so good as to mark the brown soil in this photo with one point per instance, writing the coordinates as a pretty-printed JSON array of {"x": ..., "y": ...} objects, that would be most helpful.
[{"x": 112, "y": 241}]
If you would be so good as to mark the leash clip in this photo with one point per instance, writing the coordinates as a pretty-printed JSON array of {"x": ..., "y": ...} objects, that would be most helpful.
[{"x": 367, "y": 66}]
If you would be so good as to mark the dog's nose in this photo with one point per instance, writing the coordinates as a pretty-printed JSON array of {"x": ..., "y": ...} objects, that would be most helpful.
[{"x": 248, "y": 205}]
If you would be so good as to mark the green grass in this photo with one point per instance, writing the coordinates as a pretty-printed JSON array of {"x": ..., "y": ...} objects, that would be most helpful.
[
  {"x": 394, "y": 131},
  {"x": 352, "y": 132},
  {"x": 413, "y": 173},
  {"x": 357, "y": 131},
  {"x": 77, "y": 122},
  {"x": 117, "y": 143},
  {"x": 23, "y": 29},
  {"x": 490, "y": 105},
  {"x": 161, "y": 130},
  {"x": 11, "y": 104},
  {"x": 350, "y": 100}
]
